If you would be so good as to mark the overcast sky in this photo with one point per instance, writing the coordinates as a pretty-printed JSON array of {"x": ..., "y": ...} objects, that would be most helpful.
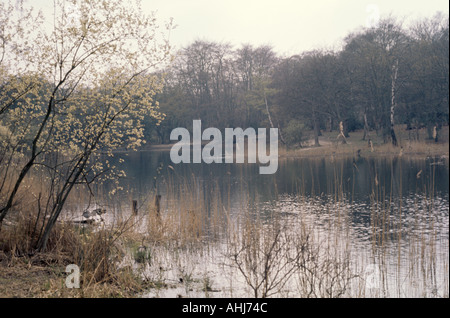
[{"x": 290, "y": 26}]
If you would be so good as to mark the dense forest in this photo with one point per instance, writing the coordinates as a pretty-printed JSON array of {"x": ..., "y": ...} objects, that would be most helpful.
[{"x": 381, "y": 77}]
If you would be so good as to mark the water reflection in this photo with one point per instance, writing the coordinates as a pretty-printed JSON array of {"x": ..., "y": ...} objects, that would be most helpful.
[
  {"x": 358, "y": 179},
  {"x": 393, "y": 211},
  {"x": 398, "y": 196}
]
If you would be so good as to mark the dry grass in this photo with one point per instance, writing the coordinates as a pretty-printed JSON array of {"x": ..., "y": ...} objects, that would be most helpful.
[
  {"x": 96, "y": 252},
  {"x": 28, "y": 278}
]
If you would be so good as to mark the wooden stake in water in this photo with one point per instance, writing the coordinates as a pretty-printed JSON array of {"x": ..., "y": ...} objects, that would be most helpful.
[
  {"x": 157, "y": 204},
  {"x": 134, "y": 207}
]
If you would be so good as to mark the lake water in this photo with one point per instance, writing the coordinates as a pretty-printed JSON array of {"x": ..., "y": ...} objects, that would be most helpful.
[
  {"x": 394, "y": 207},
  {"x": 360, "y": 181},
  {"x": 306, "y": 176}
]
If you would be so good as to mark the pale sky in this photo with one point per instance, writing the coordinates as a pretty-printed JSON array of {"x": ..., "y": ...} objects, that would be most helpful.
[{"x": 290, "y": 26}]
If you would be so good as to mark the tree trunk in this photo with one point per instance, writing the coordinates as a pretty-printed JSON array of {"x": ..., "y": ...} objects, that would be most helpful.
[
  {"x": 316, "y": 130},
  {"x": 158, "y": 205},
  {"x": 61, "y": 198},
  {"x": 34, "y": 152},
  {"x": 4, "y": 210},
  {"x": 435, "y": 134},
  {"x": 267, "y": 109},
  {"x": 394, "y": 79},
  {"x": 270, "y": 119},
  {"x": 341, "y": 133},
  {"x": 366, "y": 126},
  {"x": 329, "y": 124}
]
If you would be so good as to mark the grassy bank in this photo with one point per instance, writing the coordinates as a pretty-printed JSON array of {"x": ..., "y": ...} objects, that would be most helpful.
[{"x": 411, "y": 143}]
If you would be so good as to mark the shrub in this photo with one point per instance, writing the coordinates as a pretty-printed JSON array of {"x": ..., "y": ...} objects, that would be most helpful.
[{"x": 293, "y": 133}]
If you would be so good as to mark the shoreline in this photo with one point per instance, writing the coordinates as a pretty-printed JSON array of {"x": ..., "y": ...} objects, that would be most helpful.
[
  {"x": 350, "y": 150},
  {"x": 354, "y": 145},
  {"x": 420, "y": 149}
]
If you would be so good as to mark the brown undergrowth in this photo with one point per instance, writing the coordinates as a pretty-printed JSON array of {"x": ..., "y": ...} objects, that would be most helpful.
[{"x": 26, "y": 273}]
